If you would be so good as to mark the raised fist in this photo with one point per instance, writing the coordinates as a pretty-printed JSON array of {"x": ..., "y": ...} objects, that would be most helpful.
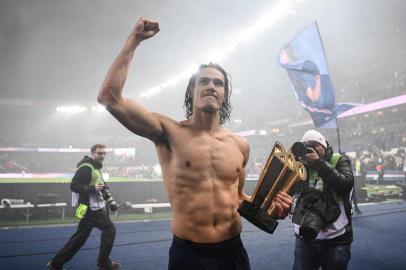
[{"x": 145, "y": 28}]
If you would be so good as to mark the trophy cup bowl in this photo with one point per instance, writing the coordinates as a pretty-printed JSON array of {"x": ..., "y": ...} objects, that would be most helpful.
[{"x": 281, "y": 173}]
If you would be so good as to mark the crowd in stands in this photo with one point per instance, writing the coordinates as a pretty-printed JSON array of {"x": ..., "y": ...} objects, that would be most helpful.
[
  {"x": 380, "y": 160},
  {"x": 65, "y": 163},
  {"x": 377, "y": 138},
  {"x": 145, "y": 166}
]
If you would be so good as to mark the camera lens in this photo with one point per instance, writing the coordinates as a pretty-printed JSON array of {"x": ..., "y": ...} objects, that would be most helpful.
[
  {"x": 299, "y": 149},
  {"x": 310, "y": 226}
]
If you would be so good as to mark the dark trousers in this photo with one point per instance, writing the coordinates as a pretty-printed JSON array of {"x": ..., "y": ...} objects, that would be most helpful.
[
  {"x": 99, "y": 219},
  {"x": 187, "y": 255},
  {"x": 309, "y": 256}
]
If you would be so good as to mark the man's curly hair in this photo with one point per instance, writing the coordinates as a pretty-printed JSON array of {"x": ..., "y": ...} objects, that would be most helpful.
[{"x": 225, "y": 110}]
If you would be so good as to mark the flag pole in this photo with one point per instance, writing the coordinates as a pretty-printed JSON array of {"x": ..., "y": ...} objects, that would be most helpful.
[{"x": 338, "y": 136}]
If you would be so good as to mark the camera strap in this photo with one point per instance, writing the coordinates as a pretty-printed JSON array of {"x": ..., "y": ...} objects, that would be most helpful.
[{"x": 314, "y": 180}]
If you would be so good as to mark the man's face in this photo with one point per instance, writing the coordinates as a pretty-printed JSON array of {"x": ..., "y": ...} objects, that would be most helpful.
[
  {"x": 208, "y": 94},
  {"x": 321, "y": 151},
  {"x": 99, "y": 154}
]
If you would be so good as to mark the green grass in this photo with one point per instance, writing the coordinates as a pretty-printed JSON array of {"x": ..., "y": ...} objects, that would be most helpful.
[{"x": 383, "y": 189}]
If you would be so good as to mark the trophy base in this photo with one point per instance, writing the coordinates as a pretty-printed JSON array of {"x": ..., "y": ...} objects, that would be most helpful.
[{"x": 257, "y": 216}]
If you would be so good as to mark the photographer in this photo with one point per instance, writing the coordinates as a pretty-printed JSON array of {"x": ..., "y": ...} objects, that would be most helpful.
[
  {"x": 93, "y": 201},
  {"x": 322, "y": 210}
]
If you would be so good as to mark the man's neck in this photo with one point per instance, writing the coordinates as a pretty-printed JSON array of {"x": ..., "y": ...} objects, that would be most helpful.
[
  {"x": 97, "y": 163},
  {"x": 206, "y": 121}
]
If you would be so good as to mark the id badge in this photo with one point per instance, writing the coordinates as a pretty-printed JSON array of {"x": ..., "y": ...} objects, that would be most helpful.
[{"x": 81, "y": 211}]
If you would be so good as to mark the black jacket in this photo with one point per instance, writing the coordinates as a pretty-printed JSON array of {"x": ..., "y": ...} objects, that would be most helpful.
[
  {"x": 338, "y": 180},
  {"x": 82, "y": 178}
]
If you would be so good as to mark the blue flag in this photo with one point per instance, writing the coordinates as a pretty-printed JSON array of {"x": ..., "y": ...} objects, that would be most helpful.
[{"x": 305, "y": 62}]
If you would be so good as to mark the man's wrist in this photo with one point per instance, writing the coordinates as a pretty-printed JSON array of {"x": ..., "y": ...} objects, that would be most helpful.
[
  {"x": 134, "y": 40},
  {"x": 317, "y": 164}
]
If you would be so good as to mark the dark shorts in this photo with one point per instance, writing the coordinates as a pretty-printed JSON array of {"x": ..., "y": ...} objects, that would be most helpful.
[{"x": 230, "y": 255}]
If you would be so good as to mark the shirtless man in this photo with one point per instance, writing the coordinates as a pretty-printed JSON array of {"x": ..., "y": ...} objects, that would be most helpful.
[{"x": 202, "y": 162}]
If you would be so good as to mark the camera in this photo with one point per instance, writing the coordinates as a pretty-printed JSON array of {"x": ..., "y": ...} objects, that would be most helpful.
[
  {"x": 312, "y": 210},
  {"x": 112, "y": 204},
  {"x": 310, "y": 225},
  {"x": 300, "y": 149}
]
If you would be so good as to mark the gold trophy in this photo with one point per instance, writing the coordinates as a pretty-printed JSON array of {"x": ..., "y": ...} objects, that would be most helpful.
[{"x": 281, "y": 173}]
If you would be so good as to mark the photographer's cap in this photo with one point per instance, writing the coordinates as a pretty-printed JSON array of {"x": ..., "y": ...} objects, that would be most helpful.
[{"x": 314, "y": 136}]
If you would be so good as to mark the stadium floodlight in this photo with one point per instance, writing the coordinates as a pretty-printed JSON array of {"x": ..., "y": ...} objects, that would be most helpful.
[
  {"x": 98, "y": 108},
  {"x": 216, "y": 55},
  {"x": 266, "y": 21},
  {"x": 169, "y": 83},
  {"x": 151, "y": 92},
  {"x": 247, "y": 133},
  {"x": 71, "y": 109},
  {"x": 262, "y": 132}
]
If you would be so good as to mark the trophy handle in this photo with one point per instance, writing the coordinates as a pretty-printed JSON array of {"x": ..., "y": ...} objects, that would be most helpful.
[
  {"x": 266, "y": 181},
  {"x": 285, "y": 175},
  {"x": 299, "y": 174},
  {"x": 281, "y": 173}
]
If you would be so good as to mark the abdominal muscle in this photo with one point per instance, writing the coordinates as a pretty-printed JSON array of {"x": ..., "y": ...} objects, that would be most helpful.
[{"x": 206, "y": 212}]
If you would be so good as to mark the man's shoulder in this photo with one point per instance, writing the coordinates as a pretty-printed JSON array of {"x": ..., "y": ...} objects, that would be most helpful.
[
  {"x": 83, "y": 173},
  {"x": 340, "y": 159},
  {"x": 84, "y": 168},
  {"x": 172, "y": 126},
  {"x": 342, "y": 156},
  {"x": 165, "y": 118},
  {"x": 240, "y": 140}
]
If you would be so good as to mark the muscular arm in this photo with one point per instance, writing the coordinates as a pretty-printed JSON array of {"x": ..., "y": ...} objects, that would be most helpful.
[
  {"x": 340, "y": 179},
  {"x": 282, "y": 200},
  {"x": 241, "y": 178},
  {"x": 130, "y": 113},
  {"x": 241, "y": 194}
]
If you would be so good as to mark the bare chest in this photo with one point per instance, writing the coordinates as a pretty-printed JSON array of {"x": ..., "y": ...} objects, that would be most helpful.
[{"x": 205, "y": 157}]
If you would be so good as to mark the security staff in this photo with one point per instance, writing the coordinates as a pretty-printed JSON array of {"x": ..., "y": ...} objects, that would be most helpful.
[{"x": 90, "y": 196}]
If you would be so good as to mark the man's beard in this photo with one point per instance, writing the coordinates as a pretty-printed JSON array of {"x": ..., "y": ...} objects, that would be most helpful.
[{"x": 210, "y": 109}]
